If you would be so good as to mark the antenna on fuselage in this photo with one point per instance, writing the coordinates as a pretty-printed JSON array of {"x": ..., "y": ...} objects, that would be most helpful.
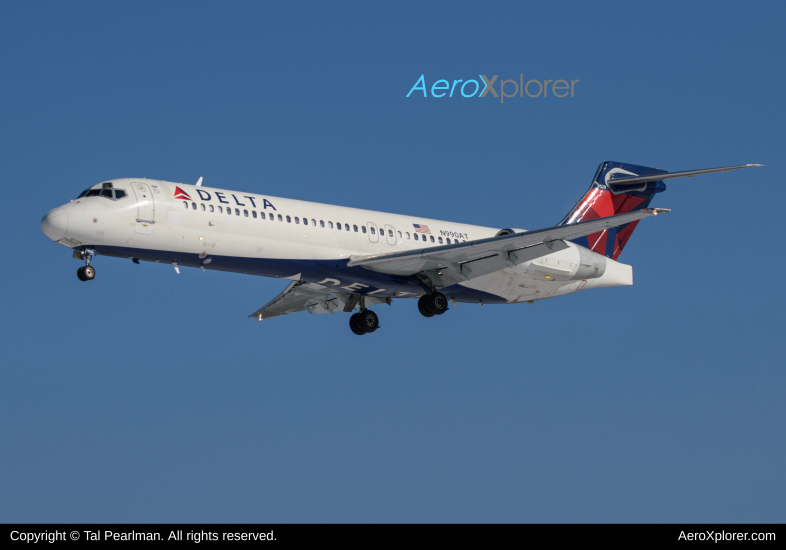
[{"x": 199, "y": 183}]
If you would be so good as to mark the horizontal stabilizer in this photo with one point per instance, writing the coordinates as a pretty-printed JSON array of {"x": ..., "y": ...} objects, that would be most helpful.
[{"x": 614, "y": 182}]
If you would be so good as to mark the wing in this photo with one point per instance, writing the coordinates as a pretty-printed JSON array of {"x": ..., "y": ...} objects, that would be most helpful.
[
  {"x": 311, "y": 297},
  {"x": 451, "y": 264}
]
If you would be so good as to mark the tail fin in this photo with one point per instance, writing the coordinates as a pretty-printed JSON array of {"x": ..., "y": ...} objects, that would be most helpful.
[{"x": 603, "y": 200}]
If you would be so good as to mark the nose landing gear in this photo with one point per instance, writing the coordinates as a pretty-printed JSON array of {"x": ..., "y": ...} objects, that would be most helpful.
[{"x": 86, "y": 272}]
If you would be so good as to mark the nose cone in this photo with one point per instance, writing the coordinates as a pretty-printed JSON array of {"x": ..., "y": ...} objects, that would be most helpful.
[{"x": 55, "y": 224}]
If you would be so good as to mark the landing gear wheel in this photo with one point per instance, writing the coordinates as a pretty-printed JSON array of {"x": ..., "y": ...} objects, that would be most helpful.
[
  {"x": 423, "y": 308},
  {"x": 89, "y": 272},
  {"x": 437, "y": 303},
  {"x": 368, "y": 320},
  {"x": 355, "y": 325},
  {"x": 80, "y": 273}
]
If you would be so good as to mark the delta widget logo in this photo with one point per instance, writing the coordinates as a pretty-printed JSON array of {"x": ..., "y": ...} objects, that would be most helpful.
[{"x": 180, "y": 194}]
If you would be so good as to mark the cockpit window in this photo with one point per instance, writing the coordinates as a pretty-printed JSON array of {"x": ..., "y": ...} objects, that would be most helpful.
[{"x": 106, "y": 190}]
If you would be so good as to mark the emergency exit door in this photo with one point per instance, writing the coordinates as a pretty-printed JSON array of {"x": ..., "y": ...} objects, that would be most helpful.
[
  {"x": 372, "y": 232},
  {"x": 390, "y": 234}
]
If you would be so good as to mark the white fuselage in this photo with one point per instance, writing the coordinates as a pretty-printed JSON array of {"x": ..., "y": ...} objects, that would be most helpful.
[{"x": 245, "y": 232}]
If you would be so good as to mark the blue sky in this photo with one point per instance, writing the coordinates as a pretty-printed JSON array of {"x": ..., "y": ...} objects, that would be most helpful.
[{"x": 149, "y": 396}]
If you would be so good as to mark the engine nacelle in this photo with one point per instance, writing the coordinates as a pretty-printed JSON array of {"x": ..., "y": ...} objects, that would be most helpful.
[
  {"x": 509, "y": 231},
  {"x": 575, "y": 263}
]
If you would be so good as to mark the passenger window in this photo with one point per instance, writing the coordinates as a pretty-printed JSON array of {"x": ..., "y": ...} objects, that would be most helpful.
[
  {"x": 289, "y": 220},
  {"x": 390, "y": 232},
  {"x": 297, "y": 220},
  {"x": 254, "y": 213},
  {"x": 280, "y": 218},
  {"x": 261, "y": 215},
  {"x": 321, "y": 223},
  {"x": 448, "y": 240},
  {"x": 211, "y": 208},
  {"x": 185, "y": 204},
  {"x": 439, "y": 239},
  {"x": 373, "y": 231},
  {"x": 305, "y": 221},
  {"x": 119, "y": 194},
  {"x": 229, "y": 211},
  {"x": 237, "y": 211},
  {"x": 363, "y": 228},
  {"x": 220, "y": 210},
  {"x": 338, "y": 226},
  {"x": 355, "y": 227},
  {"x": 202, "y": 206},
  {"x": 346, "y": 226},
  {"x": 399, "y": 234},
  {"x": 407, "y": 234},
  {"x": 432, "y": 238},
  {"x": 330, "y": 225},
  {"x": 193, "y": 205},
  {"x": 245, "y": 213},
  {"x": 415, "y": 236},
  {"x": 313, "y": 222}
]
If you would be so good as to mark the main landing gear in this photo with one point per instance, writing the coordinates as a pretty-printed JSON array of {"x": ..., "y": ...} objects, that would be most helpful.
[
  {"x": 87, "y": 272},
  {"x": 364, "y": 322},
  {"x": 432, "y": 304}
]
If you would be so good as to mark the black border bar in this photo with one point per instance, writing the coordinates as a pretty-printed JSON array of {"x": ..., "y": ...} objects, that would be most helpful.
[{"x": 405, "y": 534}]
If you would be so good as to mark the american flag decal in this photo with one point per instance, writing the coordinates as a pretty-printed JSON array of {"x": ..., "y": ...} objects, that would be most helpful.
[{"x": 420, "y": 228}]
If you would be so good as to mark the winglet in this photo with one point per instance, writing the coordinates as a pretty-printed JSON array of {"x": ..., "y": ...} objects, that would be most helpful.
[{"x": 199, "y": 183}]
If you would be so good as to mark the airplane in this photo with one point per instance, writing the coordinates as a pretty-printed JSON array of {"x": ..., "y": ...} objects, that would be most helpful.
[{"x": 341, "y": 259}]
